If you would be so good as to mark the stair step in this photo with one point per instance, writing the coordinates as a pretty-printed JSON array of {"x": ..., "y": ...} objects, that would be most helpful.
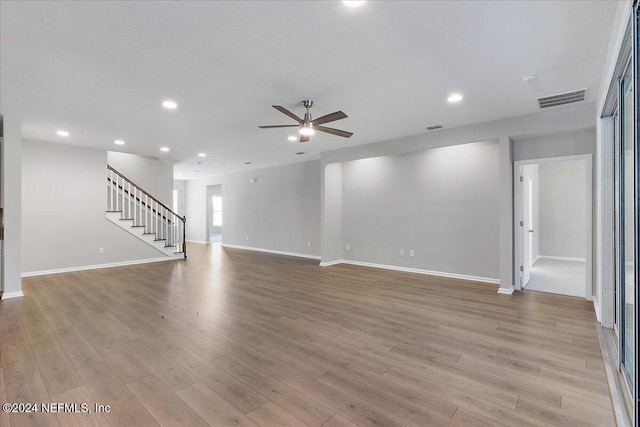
[
  {"x": 159, "y": 240},
  {"x": 138, "y": 226},
  {"x": 114, "y": 211},
  {"x": 126, "y": 219},
  {"x": 147, "y": 233}
]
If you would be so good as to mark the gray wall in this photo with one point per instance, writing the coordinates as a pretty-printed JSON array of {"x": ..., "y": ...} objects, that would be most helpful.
[
  {"x": 152, "y": 175},
  {"x": 63, "y": 210},
  {"x": 442, "y": 203},
  {"x": 280, "y": 212},
  {"x": 562, "y": 209},
  {"x": 332, "y": 247}
]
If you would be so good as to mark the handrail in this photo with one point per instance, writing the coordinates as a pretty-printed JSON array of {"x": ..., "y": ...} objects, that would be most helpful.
[
  {"x": 142, "y": 202},
  {"x": 145, "y": 192},
  {"x": 146, "y": 211}
]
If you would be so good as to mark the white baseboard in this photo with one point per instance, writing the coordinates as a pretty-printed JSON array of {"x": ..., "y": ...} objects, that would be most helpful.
[
  {"x": 535, "y": 260},
  {"x": 415, "y": 270},
  {"x": 8, "y": 295},
  {"x": 506, "y": 291},
  {"x": 330, "y": 263},
  {"x": 201, "y": 242},
  {"x": 270, "y": 251},
  {"x": 96, "y": 266},
  {"x": 561, "y": 258}
]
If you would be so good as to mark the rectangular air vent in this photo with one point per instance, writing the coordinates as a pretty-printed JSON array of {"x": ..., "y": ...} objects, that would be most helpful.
[
  {"x": 562, "y": 98},
  {"x": 434, "y": 127}
]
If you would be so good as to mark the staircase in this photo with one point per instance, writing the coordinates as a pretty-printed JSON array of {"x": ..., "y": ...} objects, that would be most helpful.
[{"x": 139, "y": 213}]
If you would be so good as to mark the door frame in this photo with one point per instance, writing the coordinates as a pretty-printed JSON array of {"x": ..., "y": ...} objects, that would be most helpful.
[{"x": 518, "y": 215}]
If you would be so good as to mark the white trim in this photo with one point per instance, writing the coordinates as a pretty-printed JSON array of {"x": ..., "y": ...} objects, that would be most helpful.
[
  {"x": 553, "y": 159},
  {"x": 535, "y": 260},
  {"x": 416, "y": 270},
  {"x": 562, "y": 258},
  {"x": 201, "y": 242},
  {"x": 270, "y": 251},
  {"x": 16, "y": 294},
  {"x": 330, "y": 263},
  {"x": 517, "y": 208},
  {"x": 97, "y": 266},
  {"x": 506, "y": 291},
  {"x": 596, "y": 307}
]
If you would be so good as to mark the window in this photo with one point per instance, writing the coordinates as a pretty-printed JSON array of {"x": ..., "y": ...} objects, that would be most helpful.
[{"x": 217, "y": 210}]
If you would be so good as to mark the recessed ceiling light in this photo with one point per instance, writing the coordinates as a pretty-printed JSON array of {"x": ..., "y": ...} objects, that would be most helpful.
[
  {"x": 118, "y": 142},
  {"x": 179, "y": 174},
  {"x": 169, "y": 104},
  {"x": 353, "y": 3},
  {"x": 454, "y": 97},
  {"x": 196, "y": 171},
  {"x": 202, "y": 154},
  {"x": 299, "y": 153},
  {"x": 292, "y": 138},
  {"x": 165, "y": 149},
  {"x": 63, "y": 133},
  {"x": 248, "y": 163},
  {"x": 528, "y": 77}
]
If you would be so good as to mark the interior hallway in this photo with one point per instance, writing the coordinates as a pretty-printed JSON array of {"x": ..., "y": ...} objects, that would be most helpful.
[{"x": 558, "y": 277}]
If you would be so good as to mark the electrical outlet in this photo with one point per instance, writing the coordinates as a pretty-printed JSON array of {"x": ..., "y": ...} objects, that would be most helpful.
[
  {"x": 101, "y": 250},
  {"x": 401, "y": 252},
  {"x": 346, "y": 246},
  {"x": 308, "y": 242},
  {"x": 411, "y": 252}
]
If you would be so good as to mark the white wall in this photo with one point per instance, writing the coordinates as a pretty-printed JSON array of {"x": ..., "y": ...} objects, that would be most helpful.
[
  {"x": 562, "y": 215},
  {"x": 11, "y": 182},
  {"x": 442, "y": 203},
  {"x": 180, "y": 186},
  {"x": 280, "y": 212},
  {"x": 531, "y": 172},
  {"x": 63, "y": 211},
  {"x": 152, "y": 175}
]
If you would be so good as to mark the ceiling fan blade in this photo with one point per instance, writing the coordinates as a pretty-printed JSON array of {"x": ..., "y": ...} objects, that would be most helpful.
[
  {"x": 330, "y": 118},
  {"x": 279, "y": 126},
  {"x": 288, "y": 113},
  {"x": 304, "y": 138},
  {"x": 333, "y": 131}
]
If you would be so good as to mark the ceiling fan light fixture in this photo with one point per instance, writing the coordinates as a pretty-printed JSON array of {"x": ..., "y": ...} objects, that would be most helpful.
[
  {"x": 353, "y": 3},
  {"x": 307, "y": 130}
]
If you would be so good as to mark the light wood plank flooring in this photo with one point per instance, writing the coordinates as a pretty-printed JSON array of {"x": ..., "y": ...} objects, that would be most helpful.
[{"x": 239, "y": 338}]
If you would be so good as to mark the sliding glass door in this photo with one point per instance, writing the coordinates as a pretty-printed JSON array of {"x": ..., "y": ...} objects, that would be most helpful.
[{"x": 626, "y": 227}]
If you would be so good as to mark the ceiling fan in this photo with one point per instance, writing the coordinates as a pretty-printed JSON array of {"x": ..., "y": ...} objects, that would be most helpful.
[{"x": 308, "y": 126}]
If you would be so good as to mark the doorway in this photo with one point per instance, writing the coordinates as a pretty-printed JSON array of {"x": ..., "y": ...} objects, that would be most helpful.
[
  {"x": 553, "y": 227},
  {"x": 214, "y": 213}
]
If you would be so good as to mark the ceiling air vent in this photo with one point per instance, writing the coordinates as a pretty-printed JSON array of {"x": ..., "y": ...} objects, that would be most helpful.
[
  {"x": 434, "y": 127},
  {"x": 562, "y": 98}
]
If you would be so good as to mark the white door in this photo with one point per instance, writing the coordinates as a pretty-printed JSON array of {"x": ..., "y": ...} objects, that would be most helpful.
[{"x": 527, "y": 229}]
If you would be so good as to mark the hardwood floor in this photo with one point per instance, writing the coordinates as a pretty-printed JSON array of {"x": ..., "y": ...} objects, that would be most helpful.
[{"x": 240, "y": 338}]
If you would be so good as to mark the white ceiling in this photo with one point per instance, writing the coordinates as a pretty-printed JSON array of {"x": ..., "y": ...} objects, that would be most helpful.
[{"x": 100, "y": 69}]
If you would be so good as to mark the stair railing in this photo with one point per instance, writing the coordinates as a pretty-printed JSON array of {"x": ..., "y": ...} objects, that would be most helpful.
[{"x": 125, "y": 196}]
